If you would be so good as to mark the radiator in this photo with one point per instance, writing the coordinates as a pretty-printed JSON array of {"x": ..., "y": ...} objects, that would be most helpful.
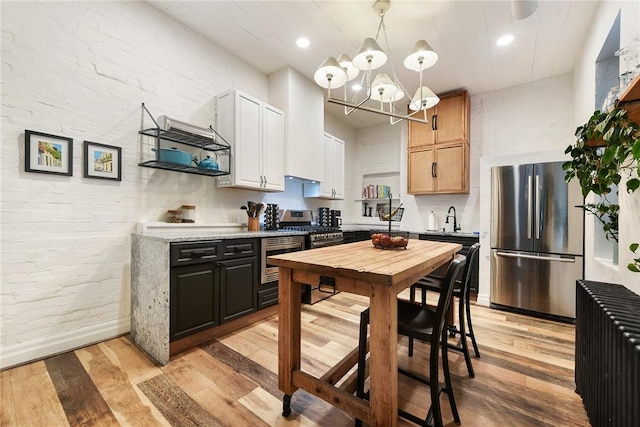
[{"x": 607, "y": 369}]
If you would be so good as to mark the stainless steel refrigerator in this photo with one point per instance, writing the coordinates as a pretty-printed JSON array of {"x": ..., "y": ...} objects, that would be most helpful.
[{"x": 537, "y": 235}]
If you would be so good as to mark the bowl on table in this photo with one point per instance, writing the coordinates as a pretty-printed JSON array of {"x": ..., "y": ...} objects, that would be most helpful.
[{"x": 383, "y": 239}]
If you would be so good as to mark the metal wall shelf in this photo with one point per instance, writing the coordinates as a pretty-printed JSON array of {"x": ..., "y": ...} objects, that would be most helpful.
[
  {"x": 185, "y": 138},
  {"x": 215, "y": 143},
  {"x": 157, "y": 164}
]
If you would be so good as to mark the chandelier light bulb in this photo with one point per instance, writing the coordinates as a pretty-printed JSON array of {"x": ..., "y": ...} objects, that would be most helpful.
[
  {"x": 383, "y": 88},
  {"x": 345, "y": 62},
  {"x": 370, "y": 56},
  {"x": 330, "y": 74},
  {"x": 423, "y": 99},
  {"x": 422, "y": 56}
]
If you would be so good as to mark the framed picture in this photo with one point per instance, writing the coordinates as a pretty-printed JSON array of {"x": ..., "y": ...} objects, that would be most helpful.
[
  {"x": 102, "y": 161},
  {"x": 46, "y": 153}
]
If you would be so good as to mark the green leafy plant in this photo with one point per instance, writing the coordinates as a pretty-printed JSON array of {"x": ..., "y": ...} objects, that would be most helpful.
[
  {"x": 607, "y": 147},
  {"x": 635, "y": 265}
]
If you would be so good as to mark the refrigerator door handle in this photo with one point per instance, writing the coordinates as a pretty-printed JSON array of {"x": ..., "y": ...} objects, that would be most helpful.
[
  {"x": 538, "y": 257},
  {"x": 529, "y": 207},
  {"x": 538, "y": 213}
]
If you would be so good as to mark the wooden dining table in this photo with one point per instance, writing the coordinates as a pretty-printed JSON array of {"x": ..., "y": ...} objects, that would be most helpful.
[{"x": 358, "y": 268}]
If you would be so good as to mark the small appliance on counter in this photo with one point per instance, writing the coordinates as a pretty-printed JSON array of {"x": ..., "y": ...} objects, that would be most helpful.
[
  {"x": 324, "y": 217},
  {"x": 336, "y": 218},
  {"x": 271, "y": 217}
]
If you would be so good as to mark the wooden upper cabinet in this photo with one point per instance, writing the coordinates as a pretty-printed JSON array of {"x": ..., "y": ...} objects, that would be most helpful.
[
  {"x": 420, "y": 173},
  {"x": 452, "y": 168},
  {"x": 438, "y": 152},
  {"x": 452, "y": 118},
  {"x": 448, "y": 122},
  {"x": 439, "y": 169},
  {"x": 421, "y": 134}
]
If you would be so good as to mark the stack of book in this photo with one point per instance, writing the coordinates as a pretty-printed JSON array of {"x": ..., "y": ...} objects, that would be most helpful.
[{"x": 376, "y": 192}]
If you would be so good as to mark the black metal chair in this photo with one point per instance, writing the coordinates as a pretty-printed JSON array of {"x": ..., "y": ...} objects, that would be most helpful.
[
  {"x": 429, "y": 325},
  {"x": 461, "y": 291}
]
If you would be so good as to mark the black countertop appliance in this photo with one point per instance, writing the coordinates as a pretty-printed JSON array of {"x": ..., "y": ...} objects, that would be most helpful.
[{"x": 336, "y": 218}]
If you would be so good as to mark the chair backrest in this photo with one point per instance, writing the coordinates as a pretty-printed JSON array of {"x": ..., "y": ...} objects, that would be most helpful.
[
  {"x": 472, "y": 264},
  {"x": 455, "y": 268}
]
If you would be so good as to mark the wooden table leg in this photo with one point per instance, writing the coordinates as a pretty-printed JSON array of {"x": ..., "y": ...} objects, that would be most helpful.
[
  {"x": 288, "y": 335},
  {"x": 384, "y": 356}
]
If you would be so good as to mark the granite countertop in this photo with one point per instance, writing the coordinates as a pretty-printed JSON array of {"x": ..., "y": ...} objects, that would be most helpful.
[
  {"x": 185, "y": 236},
  {"x": 361, "y": 227},
  {"x": 449, "y": 233}
]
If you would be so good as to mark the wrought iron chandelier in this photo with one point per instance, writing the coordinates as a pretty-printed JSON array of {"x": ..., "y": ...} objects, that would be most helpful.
[{"x": 335, "y": 73}]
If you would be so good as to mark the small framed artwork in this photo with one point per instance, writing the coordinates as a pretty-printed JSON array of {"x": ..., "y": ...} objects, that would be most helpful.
[
  {"x": 46, "y": 153},
  {"x": 102, "y": 161}
]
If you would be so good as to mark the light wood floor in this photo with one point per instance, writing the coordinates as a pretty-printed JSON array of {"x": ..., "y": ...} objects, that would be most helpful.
[{"x": 523, "y": 378}]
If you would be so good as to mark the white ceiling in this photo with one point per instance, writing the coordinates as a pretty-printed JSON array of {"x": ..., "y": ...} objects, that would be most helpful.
[{"x": 463, "y": 33}]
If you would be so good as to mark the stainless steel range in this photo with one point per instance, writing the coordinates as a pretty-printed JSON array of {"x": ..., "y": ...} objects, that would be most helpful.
[
  {"x": 318, "y": 237},
  {"x": 302, "y": 220}
]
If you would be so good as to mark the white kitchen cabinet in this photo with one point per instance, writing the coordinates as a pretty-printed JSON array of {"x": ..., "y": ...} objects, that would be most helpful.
[
  {"x": 303, "y": 104},
  {"x": 255, "y": 131},
  {"x": 333, "y": 185}
]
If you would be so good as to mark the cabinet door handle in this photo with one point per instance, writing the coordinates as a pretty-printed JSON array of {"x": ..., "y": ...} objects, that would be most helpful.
[
  {"x": 434, "y": 172},
  {"x": 434, "y": 122}
]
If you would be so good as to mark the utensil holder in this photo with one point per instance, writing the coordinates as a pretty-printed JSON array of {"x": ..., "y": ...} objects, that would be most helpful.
[{"x": 253, "y": 224}]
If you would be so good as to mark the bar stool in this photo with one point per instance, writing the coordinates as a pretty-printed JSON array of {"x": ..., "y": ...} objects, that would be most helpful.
[
  {"x": 423, "y": 323},
  {"x": 461, "y": 291}
]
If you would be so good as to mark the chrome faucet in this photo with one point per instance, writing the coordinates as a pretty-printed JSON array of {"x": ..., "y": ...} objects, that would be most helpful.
[{"x": 455, "y": 220}]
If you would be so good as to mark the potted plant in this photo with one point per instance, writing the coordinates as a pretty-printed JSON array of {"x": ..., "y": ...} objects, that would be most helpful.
[{"x": 607, "y": 147}]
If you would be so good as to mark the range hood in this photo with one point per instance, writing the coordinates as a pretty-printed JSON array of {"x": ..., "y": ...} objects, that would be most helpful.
[{"x": 300, "y": 180}]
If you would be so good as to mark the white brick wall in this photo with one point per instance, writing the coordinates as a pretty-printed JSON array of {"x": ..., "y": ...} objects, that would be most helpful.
[{"x": 81, "y": 70}]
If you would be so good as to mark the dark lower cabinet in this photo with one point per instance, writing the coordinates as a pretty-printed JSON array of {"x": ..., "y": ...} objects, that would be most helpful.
[
  {"x": 238, "y": 290},
  {"x": 465, "y": 241},
  {"x": 267, "y": 295},
  {"x": 212, "y": 283},
  {"x": 356, "y": 236},
  {"x": 194, "y": 305}
]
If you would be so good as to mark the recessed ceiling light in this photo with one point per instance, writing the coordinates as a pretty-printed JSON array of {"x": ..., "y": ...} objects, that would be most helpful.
[
  {"x": 303, "y": 42},
  {"x": 504, "y": 40},
  {"x": 356, "y": 87}
]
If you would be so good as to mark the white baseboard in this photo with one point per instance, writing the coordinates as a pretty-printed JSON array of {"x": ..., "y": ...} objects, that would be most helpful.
[
  {"x": 483, "y": 299},
  {"x": 44, "y": 347}
]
